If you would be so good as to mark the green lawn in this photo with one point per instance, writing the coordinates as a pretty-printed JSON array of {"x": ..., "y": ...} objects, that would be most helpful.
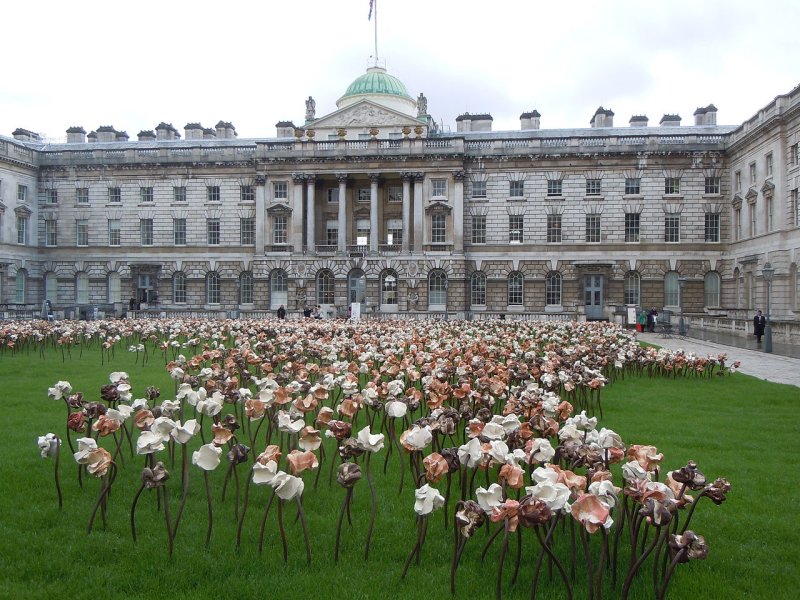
[{"x": 735, "y": 427}]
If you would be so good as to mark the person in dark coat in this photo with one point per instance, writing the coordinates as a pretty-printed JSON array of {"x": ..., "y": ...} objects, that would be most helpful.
[
  {"x": 307, "y": 311},
  {"x": 759, "y": 323},
  {"x": 282, "y": 312},
  {"x": 651, "y": 320}
]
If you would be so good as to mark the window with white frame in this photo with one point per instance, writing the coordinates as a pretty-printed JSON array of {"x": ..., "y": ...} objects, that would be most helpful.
[
  {"x": 332, "y": 232},
  {"x": 672, "y": 227},
  {"x": 21, "y": 287},
  {"x": 82, "y": 232},
  {"x": 516, "y": 189},
  {"x": 51, "y": 196},
  {"x": 51, "y": 287},
  {"x": 146, "y": 194},
  {"x": 247, "y": 231},
  {"x": 394, "y": 194},
  {"x": 552, "y": 289},
  {"x": 712, "y": 185},
  {"x": 364, "y": 194},
  {"x": 179, "y": 231},
  {"x": 389, "y": 287},
  {"x": 247, "y": 193},
  {"x": 712, "y": 227},
  {"x": 478, "y": 189},
  {"x": 737, "y": 223},
  {"x": 794, "y": 155},
  {"x": 737, "y": 181},
  {"x": 51, "y": 232},
  {"x": 213, "y": 232},
  {"x": 82, "y": 288},
  {"x": 478, "y": 229},
  {"x": 439, "y": 188},
  {"x": 632, "y": 227},
  {"x": 280, "y": 227},
  {"x": 770, "y": 208},
  {"x": 179, "y": 288},
  {"x": 22, "y": 230},
  {"x": 114, "y": 288},
  {"x": 793, "y": 199},
  {"x": 633, "y": 186},
  {"x": 711, "y": 289},
  {"x": 437, "y": 288},
  {"x": 22, "y": 193},
  {"x": 179, "y": 193},
  {"x": 438, "y": 228},
  {"x": 516, "y": 228},
  {"x": 212, "y": 193},
  {"x": 362, "y": 232},
  {"x": 769, "y": 164},
  {"x": 146, "y": 231},
  {"x": 753, "y": 220},
  {"x": 593, "y": 187},
  {"x": 554, "y": 187},
  {"x": 212, "y": 288},
  {"x": 114, "y": 229},
  {"x": 332, "y": 195},
  {"x": 278, "y": 289},
  {"x": 394, "y": 231},
  {"x": 631, "y": 288},
  {"x": 515, "y": 288},
  {"x": 246, "y": 287},
  {"x": 477, "y": 289},
  {"x": 672, "y": 185},
  {"x": 553, "y": 229},
  {"x": 592, "y": 231},
  {"x": 82, "y": 195},
  {"x": 280, "y": 190},
  {"x": 114, "y": 195},
  {"x": 753, "y": 173},
  {"x": 325, "y": 287},
  {"x": 672, "y": 290}
]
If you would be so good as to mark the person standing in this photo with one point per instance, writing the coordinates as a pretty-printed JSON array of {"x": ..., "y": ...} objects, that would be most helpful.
[
  {"x": 759, "y": 323},
  {"x": 282, "y": 312}
]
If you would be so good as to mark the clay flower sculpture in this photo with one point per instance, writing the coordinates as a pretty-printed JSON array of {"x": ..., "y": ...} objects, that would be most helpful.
[
  {"x": 347, "y": 476},
  {"x": 426, "y": 500},
  {"x": 288, "y": 487},
  {"x": 207, "y": 457},
  {"x": 469, "y": 516},
  {"x": 50, "y": 446},
  {"x": 98, "y": 462},
  {"x": 155, "y": 478},
  {"x": 371, "y": 443}
]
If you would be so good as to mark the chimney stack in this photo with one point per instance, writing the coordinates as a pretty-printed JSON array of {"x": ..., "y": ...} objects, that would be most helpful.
[{"x": 529, "y": 120}]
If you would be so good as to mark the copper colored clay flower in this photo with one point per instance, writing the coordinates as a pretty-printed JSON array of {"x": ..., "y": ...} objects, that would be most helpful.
[
  {"x": 591, "y": 512},
  {"x": 657, "y": 512},
  {"x": 98, "y": 461},
  {"x": 143, "y": 419},
  {"x": 155, "y": 477},
  {"x": 222, "y": 434},
  {"x": 270, "y": 453},
  {"x": 647, "y": 456},
  {"x": 435, "y": 467},
  {"x": 533, "y": 511},
  {"x": 348, "y": 474},
  {"x": 507, "y": 510},
  {"x": 512, "y": 475},
  {"x": 324, "y": 416},
  {"x": 76, "y": 422},
  {"x": 470, "y": 518},
  {"x": 340, "y": 429},
  {"x": 450, "y": 455},
  {"x": 301, "y": 461},
  {"x": 105, "y": 426}
]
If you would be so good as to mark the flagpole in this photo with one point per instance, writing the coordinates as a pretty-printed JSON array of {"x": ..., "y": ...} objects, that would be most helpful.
[{"x": 376, "y": 31}]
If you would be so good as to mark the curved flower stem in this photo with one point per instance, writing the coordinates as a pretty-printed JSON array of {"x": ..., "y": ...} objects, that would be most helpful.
[
  {"x": 170, "y": 536},
  {"x": 69, "y": 439},
  {"x": 691, "y": 512},
  {"x": 447, "y": 500},
  {"x": 348, "y": 496},
  {"x": 184, "y": 486},
  {"x": 489, "y": 542},
  {"x": 668, "y": 575},
  {"x": 236, "y": 498},
  {"x": 244, "y": 512},
  {"x": 635, "y": 567},
  {"x": 498, "y": 588},
  {"x": 617, "y": 534},
  {"x": 210, "y": 511},
  {"x": 305, "y": 529},
  {"x": 373, "y": 507},
  {"x": 264, "y": 522},
  {"x": 519, "y": 556},
  {"x": 283, "y": 532},
  {"x": 321, "y": 460},
  {"x": 55, "y": 472},
  {"x": 417, "y": 545},
  {"x": 598, "y": 576},
  {"x": 545, "y": 544},
  {"x": 133, "y": 511},
  {"x": 109, "y": 480},
  {"x": 457, "y": 552},
  {"x": 584, "y": 535}
]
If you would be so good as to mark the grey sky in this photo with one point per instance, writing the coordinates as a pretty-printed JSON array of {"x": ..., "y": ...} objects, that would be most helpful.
[{"x": 94, "y": 63}]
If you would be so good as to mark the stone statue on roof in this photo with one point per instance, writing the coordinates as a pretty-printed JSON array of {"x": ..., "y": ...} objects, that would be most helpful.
[
  {"x": 422, "y": 105},
  {"x": 311, "y": 109}
]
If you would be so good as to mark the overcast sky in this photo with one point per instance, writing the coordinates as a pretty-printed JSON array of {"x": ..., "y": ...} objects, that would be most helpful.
[{"x": 132, "y": 65}]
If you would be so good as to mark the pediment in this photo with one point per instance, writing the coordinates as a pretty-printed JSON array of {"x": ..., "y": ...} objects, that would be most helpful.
[
  {"x": 279, "y": 209},
  {"x": 751, "y": 194},
  {"x": 364, "y": 114},
  {"x": 438, "y": 206},
  {"x": 2, "y": 208},
  {"x": 23, "y": 211},
  {"x": 768, "y": 187},
  {"x": 737, "y": 200}
]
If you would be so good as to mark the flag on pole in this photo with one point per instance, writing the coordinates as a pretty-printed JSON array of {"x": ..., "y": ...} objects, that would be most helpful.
[{"x": 369, "y": 18}]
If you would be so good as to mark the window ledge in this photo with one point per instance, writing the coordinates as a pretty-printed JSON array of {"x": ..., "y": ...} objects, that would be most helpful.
[
  {"x": 594, "y": 197},
  {"x": 548, "y": 197}
]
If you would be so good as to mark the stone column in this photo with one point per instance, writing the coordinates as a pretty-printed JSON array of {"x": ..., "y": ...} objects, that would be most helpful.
[
  {"x": 343, "y": 225},
  {"x": 458, "y": 212},
  {"x": 419, "y": 215},
  {"x": 406, "y": 210},
  {"x": 311, "y": 242},
  {"x": 373, "y": 212},
  {"x": 297, "y": 212},
  {"x": 261, "y": 224}
]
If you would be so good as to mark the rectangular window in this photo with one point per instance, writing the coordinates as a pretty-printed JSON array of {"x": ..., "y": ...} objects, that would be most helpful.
[
  {"x": 752, "y": 173},
  {"x": 516, "y": 227},
  {"x": 394, "y": 231},
  {"x": 593, "y": 229},
  {"x": 632, "y": 222},
  {"x": 633, "y": 186},
  {"x": 672, "y": 228},
  {"x": 793, "y": 198},
  {"x": 363, "y": 194},
  {"x": 146, "y": 194},
  {"x": 737, "y": 181},
  {"x": 438, "y": 229},
  {"x": 752, "y": 220},
  {"x": 22, "y": 231},
  {"x": 516, "y": 189},
  {"x": 279, "y": 229},
  {"x": 333, "y": 195},
  {"x": 179, "y": 193},
  {"x": 179, "y": 232},
  {"x": 51, "y": 196},
  {"x": 553, "y": 229},
  {"x": 593, "y": 187},
  {"x": 770, "y": 206},
  {"x": 737, "y": 227},
  {"x": 114, "y": 194},
  {"x": 768, "y": 163},
  {"x": 212, "y": 193},
  {"x": 794, "y": 155},
  {"x": 82, "y": 232},
  {"x": 179, "y": 288},
  {"x": 212, "y": 232},
  {"x": 246, "y": 288},
  {"x": 479, "y": 189},
  {"x": 439, "y": 188},
  {"x": 332, "y": 232},
  {"x": 247, "y": 231},
  {"x": 394, "y": 193},
  {"x": 146, "y": 232},
  {"x": 712, "y": 185},
  {"x": 247, "y": 193},
  {"x": 51, "y": 232},
  {"x": 672, "y": 185},
  {"x": 712, "y": 230},
  {"x": 280, "y": 190},
  {"x": 479, "y": 229},
  {"x": 362, "y": 232},
  {"x": 554, "y": 187},
  {"x": 22, "y": 193},
  {"x": 82, "y": 195},
  {"x": 114, "y": 232}
]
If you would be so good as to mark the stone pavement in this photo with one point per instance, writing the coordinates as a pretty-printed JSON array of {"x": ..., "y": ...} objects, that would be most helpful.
[{"x": 770, "y": 367}]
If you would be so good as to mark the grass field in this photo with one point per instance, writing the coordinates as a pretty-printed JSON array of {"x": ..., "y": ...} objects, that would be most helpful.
[{"x": 735, "y": 427}]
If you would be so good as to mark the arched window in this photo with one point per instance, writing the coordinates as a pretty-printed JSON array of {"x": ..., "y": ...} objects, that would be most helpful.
[
  {"x": 632, "y": 288},
  {"x": 21, "y": 295},
  {"x": 672, "y": 290},
  {"x": 246, "y": 287},
  {"x": 278, "y": 289},
  {"x": 51, "y": 287},
  {"x": 711, "y": 289},
  {"x": 325, "y": 287},
  {"x": 356, "y": 287},
  {"x": 477, "y": 289},
  {"x": 114, "y": 288},
  {"x": 389, "y": 287},
  {"x": 437, "y": 290},
  {"x": 515, "y": 288},
  {"x": 179, "y": 288},
  {"x": 552, "y": 289},
  {"x": 82, "y": 288},
  {"x": 212, "y": 288}
]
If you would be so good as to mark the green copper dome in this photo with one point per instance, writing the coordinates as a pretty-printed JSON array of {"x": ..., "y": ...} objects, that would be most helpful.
[{"x": 377, "y": 81}]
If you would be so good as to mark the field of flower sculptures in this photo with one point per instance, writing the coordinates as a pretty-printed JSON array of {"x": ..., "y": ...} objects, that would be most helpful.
[{"x": 438, "y": 458}]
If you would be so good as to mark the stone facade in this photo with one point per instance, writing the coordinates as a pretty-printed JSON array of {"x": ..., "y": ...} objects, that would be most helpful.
[{"x": 407, "y": 219}]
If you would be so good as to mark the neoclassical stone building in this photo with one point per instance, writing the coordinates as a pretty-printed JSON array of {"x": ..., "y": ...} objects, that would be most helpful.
[{"x": 372, "y": 203}]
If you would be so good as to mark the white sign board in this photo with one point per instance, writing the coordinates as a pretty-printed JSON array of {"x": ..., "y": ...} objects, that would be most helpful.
[
  {"x": 631, "y": 315},
  {"x": 355, "y": 311}
]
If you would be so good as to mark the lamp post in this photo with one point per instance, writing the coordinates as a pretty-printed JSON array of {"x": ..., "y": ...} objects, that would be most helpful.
[
  {"x": 681, "y": 321},
  {"x": 768, "y": 273}
]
